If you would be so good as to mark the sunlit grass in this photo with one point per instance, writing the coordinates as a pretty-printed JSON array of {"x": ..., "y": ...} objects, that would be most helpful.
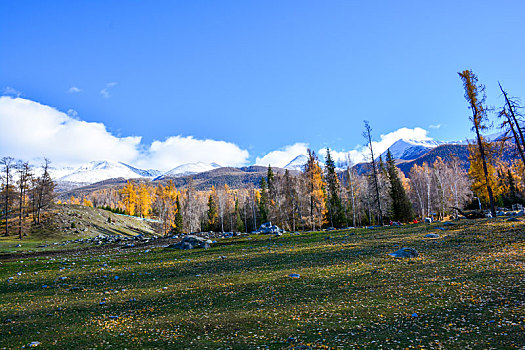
[{"x": 464, "y": 290}]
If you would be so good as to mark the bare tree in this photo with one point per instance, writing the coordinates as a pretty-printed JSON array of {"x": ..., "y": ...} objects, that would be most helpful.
[
  {"x": 222, "y": 199},
  {"x": 351, "y": 184},
  {"x": 512, "y": 122},
  {"x": 8, "y": 163},
  {"x": 44, "y": 191},
  {"x": 367, "y": 134},
  {"x": 24, "y": 178}
]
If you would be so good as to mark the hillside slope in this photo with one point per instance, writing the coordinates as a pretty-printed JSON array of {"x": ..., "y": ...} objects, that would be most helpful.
[{"x": 67, "y": 221}]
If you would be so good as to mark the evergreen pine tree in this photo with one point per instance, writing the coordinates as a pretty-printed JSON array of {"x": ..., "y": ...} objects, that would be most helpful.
[
  {"x": 263, "y": 201},
  {"x": 239, "y": 224},
  {"x": 512, "y": 188},
  {"x": 335, "y": 212},
  {"x": 212, "y": 214},
  {"x": 272, "y": 193},
  {"x": 401, "y": 206},
  {"x": 271, "y": 178},
  {"x": 178, "y": 221}
]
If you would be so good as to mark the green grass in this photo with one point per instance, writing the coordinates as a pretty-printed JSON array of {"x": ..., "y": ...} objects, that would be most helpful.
[
  {"x": 466, "y": 288},
  {"x": 88, "y": 222}
]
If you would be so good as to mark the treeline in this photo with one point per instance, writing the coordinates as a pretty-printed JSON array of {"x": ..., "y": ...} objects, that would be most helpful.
[
  {"x": 318, "y": 197},
  {"x": 24, "y": 195},
  {"x": 321, "y": 196}
]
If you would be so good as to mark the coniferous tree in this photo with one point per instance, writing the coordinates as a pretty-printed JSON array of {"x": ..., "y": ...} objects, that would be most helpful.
[
  {"x": 290, "y": 200},
  {"x": 483, "y": 181},
  {"x": 315, "y": 190},
  {"x": 367, "y": 134},
  {"x": 273, "y": 188},
  {"x": 335, "y": 211},
  {"x": 271, "y": 184},
  {"x": 512, "y": 187},
  {"x": 475, "y": 96},
  {"x": 239, "y": 224},
  {"x": 263, "y": 201},
  {"x": 513, "y": 122},
  {"x": 401, "y": 206},
  {"x": 212, "y": 213},
  {"x": 129, "y": 198},
  {"x": 178, "y": 222}
]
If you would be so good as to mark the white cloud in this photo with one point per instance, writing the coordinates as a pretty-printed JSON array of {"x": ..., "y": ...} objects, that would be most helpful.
[
  {"x": 280, "y": 158},
  {"x": 31, "y": 131},
  {"x": 9, "y": 91},
  {"x": 73, "y": 90},
  {"x": 436, "y": 126},
  {"x": 362, "y": 153},
  {"x": 104, "y": 92},
  {"x": 340, "y": 158},
  {"x": 178, "y": 150},
  {"x": 72, "y": 113}
]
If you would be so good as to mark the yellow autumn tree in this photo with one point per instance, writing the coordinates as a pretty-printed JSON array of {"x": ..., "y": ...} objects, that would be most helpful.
[
  {"x": 315, "y": 190},
  {"x": 165, "y": 206},
  {"x": 144, "y": 200},
  {"x": 87, "y": 203},
  {"x": 477, "y": 174},
  {"x": 518, "y": 170},
  {"x": 129, "y": 198},
  {"x": 74, "y": 201}
]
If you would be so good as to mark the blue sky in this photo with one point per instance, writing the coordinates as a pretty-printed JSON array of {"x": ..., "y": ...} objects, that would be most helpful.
[{"x": 261, "y": 75}]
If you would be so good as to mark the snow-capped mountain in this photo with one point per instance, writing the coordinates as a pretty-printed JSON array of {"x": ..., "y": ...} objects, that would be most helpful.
[
  {"x": 56, "y": 172},
  {"x": 103, "y": 170},
  {"x": 297, "y": 163},
  {"x": 189, "y": 169},
  {"x": 410, "y": 149},
  {"x": 150, "y": 173},
  {"x": 497, "y": 136}
]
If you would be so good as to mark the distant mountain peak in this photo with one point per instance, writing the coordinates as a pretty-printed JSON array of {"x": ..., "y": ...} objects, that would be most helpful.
[
  {"x": 101, "y": 170},
  {"x": 189, "y": 169},
  {"x": 408, "y": 149},
  {"x": 297, "y": 163}
]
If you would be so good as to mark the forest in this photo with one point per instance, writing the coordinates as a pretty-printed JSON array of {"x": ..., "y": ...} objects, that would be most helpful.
[{"x": 320, "y": 196}]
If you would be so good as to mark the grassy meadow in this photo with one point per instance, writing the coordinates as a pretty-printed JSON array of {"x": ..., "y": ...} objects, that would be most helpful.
[{"x": 465, "y": 290}]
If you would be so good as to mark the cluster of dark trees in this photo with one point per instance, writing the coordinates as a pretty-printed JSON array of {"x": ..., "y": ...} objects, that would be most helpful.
[{"x": 24, "y": 196}]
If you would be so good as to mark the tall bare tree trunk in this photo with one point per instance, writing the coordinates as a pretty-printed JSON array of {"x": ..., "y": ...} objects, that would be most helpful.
[
  {"x": 514, "y": 125},
  {"x": 368, "y": 135},
  {"x": 7, "y": 162}
]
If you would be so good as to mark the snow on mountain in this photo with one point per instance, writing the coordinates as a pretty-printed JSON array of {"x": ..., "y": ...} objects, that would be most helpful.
[
  {"x": 103, "y": 170},
  {"x": 56, "y": 172},
  {"x": 189, "y": 169},
  {"x": 297, "y": 163},
  {"x": 410, "y": 149},
  {"x": 150, "y": 173},
  {"x": 497, "y": 136}
]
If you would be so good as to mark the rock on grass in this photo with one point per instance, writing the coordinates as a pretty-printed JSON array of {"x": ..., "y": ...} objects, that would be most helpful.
[{"x": 405, "y": 253}]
